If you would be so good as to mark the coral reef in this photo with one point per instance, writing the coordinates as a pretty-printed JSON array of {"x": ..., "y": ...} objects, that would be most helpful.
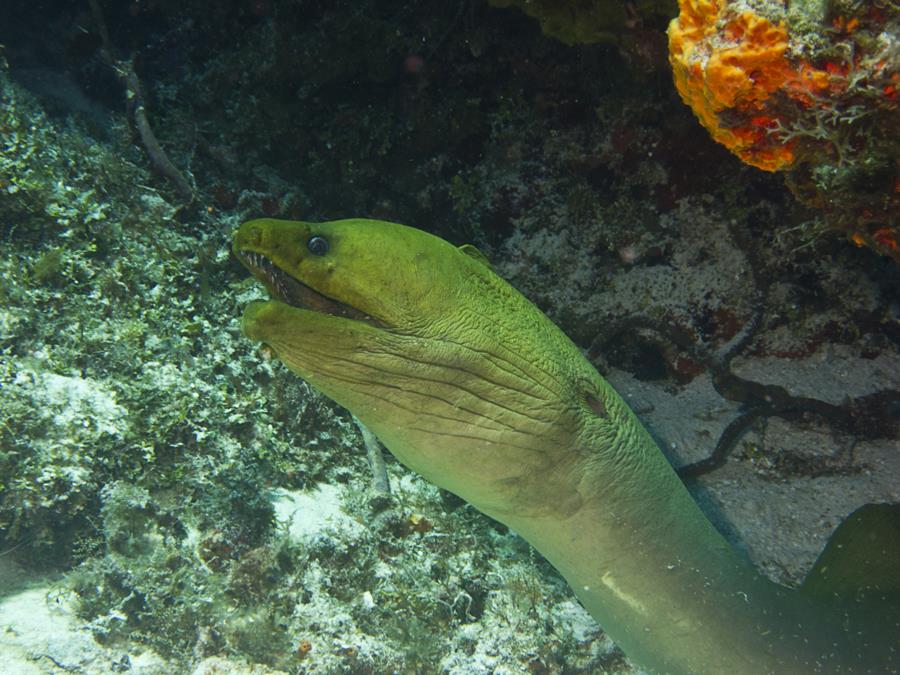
[
  {"x": 179, "y": 481},
  {"x": 145, "y": 446},
  {"x": 809, "y": 89}
]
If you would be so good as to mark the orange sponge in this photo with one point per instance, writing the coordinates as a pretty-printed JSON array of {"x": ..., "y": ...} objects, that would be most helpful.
[
  {"x": 812, "y": 95},
  {"x": 729, "y": 64}
]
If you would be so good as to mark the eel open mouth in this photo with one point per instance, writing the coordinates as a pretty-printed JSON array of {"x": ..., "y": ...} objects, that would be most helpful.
[{"x": 290, "y": 291}]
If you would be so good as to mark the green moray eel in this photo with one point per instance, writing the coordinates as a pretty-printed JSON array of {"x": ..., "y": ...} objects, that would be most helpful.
[{"x": 469, "y": 384}]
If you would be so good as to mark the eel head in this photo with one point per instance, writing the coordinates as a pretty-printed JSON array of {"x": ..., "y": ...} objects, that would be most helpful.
[{"x": 459, "y": 375}]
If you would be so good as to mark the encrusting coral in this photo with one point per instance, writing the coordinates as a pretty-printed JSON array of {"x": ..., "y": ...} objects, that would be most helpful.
[{"x": 808, "y": 89}]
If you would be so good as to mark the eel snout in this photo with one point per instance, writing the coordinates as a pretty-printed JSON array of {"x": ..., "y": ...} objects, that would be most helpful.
[{"x": 291, "y": 291}]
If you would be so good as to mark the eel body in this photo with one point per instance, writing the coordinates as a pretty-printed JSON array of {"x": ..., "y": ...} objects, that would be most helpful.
[{"x": 469, "y": 384}]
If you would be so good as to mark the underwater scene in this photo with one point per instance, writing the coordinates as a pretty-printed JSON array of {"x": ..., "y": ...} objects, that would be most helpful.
[{"x": 476, "y": 337}]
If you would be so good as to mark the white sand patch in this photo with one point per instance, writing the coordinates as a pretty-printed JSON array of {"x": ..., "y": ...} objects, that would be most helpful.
[
  {"x": 305, "y": 514},
  {"x": 39, "y": 633}
]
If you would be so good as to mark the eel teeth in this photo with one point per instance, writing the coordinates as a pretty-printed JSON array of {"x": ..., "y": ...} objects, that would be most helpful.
[{"x": 265, "y": 268}]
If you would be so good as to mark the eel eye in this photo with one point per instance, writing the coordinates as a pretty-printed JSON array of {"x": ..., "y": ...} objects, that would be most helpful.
[{"x": 317, "y": 245}]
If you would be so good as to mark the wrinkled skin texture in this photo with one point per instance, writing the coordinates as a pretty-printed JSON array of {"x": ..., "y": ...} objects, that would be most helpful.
[
  {"x": 433, "y": 373},
  {"x": 469, "y": 384}
]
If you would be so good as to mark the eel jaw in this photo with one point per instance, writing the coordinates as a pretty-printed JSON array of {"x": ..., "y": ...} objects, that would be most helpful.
[{"x": 293, "y": 292}]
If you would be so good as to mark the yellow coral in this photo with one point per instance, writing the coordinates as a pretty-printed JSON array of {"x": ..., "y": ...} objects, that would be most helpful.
[
  {"x": 590, "y": 21},
  {"x": 574, "y": 22}
]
